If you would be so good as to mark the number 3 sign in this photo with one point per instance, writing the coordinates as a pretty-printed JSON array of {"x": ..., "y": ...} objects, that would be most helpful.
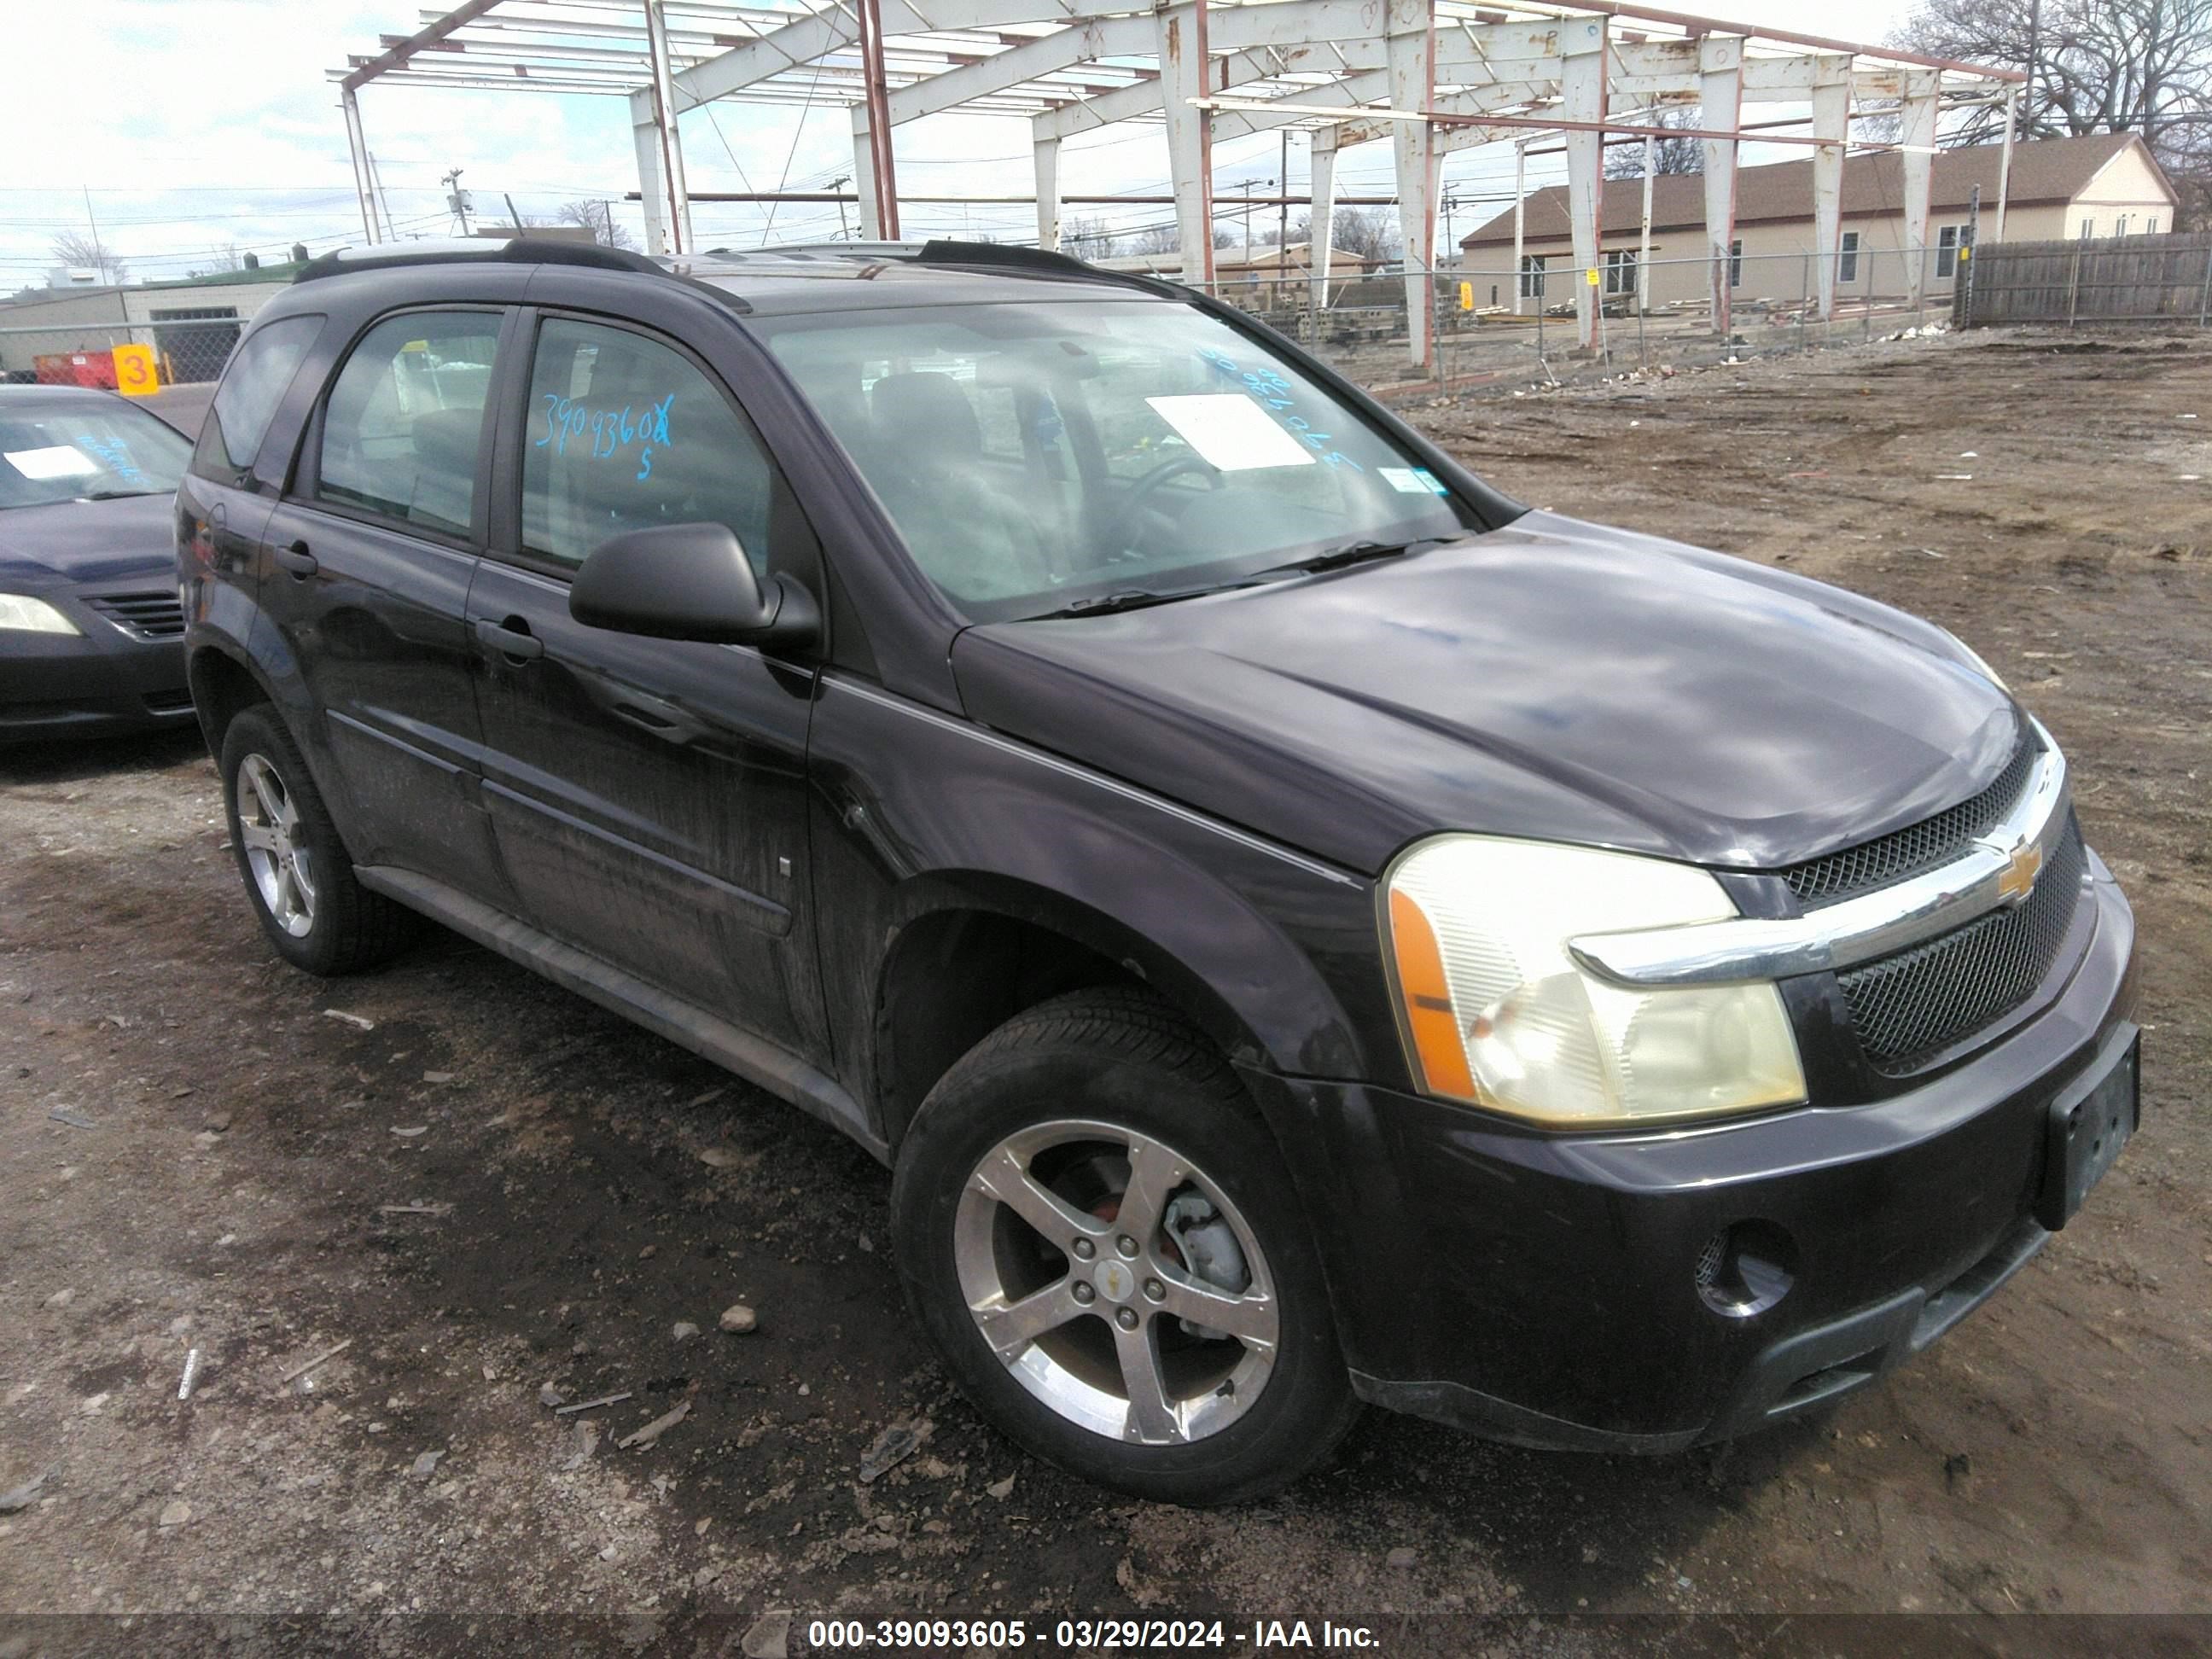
[{"x": 136, "y": 375}]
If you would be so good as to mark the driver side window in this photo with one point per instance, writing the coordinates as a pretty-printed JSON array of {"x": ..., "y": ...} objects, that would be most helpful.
[{"x": 623, "y": 433}]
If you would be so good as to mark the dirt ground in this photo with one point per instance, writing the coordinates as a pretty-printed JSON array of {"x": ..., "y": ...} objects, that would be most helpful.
[{"x": 473, "y": 1187}]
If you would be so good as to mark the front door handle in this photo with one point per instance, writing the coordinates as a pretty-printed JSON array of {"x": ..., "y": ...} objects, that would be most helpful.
[
  {"x": 511, "y": 639},
  {"x": 297, "y": 560}
]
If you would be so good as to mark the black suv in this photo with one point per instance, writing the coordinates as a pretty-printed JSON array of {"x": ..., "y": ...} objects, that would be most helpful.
[{"x": 1302, "y": 928}]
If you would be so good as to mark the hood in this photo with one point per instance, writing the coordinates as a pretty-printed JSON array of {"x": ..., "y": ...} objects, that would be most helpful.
[
  {"x": 1551, "y": 680},
  {"x": 70, "y": 542}
]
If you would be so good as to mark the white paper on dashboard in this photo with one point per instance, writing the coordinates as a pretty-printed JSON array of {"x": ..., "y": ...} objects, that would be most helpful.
[
  {"x": 1229, "y": 432},
  {"x": 57, "y": 461}
]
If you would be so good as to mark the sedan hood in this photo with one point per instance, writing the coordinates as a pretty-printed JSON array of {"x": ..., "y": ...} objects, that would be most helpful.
[
  {"x": 70, "y": 542},
  {"x": 1551, "y": 680}
]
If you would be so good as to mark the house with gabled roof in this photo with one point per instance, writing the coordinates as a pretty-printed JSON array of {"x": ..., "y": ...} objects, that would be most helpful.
[{"x": 2102, "y": 184}]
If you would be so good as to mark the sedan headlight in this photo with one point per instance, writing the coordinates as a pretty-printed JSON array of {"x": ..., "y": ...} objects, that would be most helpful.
[
  {"x": 29, "y": 616},
  {"x": 1498, "y": 1012}
]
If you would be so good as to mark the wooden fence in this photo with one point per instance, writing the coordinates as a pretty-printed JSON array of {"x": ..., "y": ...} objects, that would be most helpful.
[{"x": 2119, "y": 279}]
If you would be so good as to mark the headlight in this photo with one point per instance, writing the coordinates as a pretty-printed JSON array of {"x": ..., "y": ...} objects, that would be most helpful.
[
  {"x": 29, "y": 616},
  {"x": 1497, "y": 1013},
  {"x": 1979, "y": 662}
]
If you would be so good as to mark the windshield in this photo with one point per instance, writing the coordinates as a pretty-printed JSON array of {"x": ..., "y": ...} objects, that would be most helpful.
[
  {"x": 86, "y": 452},
  {"x": 1034, "y": 456}
]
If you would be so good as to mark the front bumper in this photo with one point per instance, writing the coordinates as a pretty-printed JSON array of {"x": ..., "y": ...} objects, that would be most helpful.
[
  {"x": 102, "y": 679},
  {"x": 1542, "y": 1288}
]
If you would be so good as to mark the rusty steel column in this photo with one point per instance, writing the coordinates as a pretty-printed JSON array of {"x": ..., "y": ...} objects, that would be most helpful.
[
  {"x": 871, "y": 15},
  {"x": 1720, "y": 80}
]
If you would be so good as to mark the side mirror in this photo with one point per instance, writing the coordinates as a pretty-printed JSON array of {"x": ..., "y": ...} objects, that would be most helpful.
[{"x": 688, "y": 582}]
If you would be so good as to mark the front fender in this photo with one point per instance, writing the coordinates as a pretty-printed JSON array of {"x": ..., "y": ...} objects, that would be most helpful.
[{"x": 1273, "y": 952}]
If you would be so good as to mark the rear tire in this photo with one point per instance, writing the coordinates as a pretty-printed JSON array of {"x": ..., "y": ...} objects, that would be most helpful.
[
  {"x": 1099, "y": 1236},
  {"x": 298, "y": 876}
]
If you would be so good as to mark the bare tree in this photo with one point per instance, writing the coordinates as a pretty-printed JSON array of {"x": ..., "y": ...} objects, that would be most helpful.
[
  {"x": 1087, "y": 238},
  {"x": 596, "y": 217},
  {"x": 1362, "y": 232},
  {"x": 2141, "y": 66},
  {"x": 80, "y": 251},
  {"x": 1157, "y": 239},
  {"x": 1625, "y": 160}
]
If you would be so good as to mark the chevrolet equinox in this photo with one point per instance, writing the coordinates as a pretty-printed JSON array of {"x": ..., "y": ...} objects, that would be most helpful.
[{"x": 1301, "y": 928}]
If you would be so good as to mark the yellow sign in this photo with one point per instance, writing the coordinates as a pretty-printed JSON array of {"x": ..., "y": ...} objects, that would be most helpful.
[
  {"x": 136, "y": 375},
  {"x": 1466, "y": 296},
  {"x": 1590, "y": 276}
]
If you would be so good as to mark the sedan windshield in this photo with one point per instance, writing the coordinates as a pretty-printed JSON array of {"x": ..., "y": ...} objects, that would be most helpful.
[
  {"x": 61, "y": 452},
  {"x": 1036, "y": 457}
]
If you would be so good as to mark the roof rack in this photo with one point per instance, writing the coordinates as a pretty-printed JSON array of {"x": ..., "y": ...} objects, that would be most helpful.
[
  {"x": 940, "y": 252},
  {"x": 476, "y": 249}
]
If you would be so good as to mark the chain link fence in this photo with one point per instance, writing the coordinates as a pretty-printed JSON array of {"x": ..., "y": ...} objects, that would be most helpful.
[
  {"x": 189, "y": 347},
  {"x": 1492, "y": 326}
]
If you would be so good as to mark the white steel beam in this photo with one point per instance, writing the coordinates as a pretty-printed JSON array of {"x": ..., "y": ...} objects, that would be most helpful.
[
  {"x": 1923, "y": 93},
  {"x": 864, "y": 172},
  {"x": 1720, "y": 65},
  {"x": 1321, "y": 235},
  {"x": 1410, "y": 38},
  {"x": 358, "y": 145},
  {"x": 1832, "y": 118},
  {"x": 1185, "y": 70},
  {"x": 652, "y": 194},
  {"x": 669, "y": 134},
  {"x": 807, "y": 39},
  {"x": 1083, "y": 43},
  {"x": 1047, "y": 151},
  {"x": 1581, "y": 97}
]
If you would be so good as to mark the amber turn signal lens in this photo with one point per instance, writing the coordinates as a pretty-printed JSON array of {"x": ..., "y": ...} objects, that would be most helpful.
[{"x": 1434, "y": 1027}]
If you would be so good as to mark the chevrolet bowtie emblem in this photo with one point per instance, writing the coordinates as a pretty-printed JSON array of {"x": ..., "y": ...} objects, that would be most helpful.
[{"x": 2018, "y": 880}]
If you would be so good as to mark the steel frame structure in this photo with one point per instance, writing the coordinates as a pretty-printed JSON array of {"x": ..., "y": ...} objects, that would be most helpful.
[{"x": 1428, "y": 75}]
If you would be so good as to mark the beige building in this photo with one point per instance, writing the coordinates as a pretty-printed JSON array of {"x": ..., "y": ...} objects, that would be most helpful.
[{"x": 2106, "y": 184}]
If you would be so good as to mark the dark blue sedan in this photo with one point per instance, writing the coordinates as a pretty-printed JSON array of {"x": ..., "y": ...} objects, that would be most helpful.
[{"x": 91, "y": 635}]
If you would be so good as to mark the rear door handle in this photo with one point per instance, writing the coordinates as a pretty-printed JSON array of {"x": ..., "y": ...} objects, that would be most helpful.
[
  {"x": 511, "y": 639},
  {"x": 297, "y": 560}
]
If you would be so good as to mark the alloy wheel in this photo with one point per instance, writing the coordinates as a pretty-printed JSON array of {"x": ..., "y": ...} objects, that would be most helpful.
[
  {"x": 275, "y": 850},
  {"x": 1116, "y": 1282}
]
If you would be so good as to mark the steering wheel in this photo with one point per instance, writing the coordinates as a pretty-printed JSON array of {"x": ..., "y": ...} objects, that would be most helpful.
[{"x": 1113, "y": 535}]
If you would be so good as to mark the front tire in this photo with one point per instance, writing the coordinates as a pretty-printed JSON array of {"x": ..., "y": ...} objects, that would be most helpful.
[
  {"x": 1098, "y": 1234},
  {"x": 298, "y": 876}
]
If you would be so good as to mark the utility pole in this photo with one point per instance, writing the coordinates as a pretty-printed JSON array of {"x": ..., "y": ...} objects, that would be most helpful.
[
  {"x": 458, "y": 199},
  {"x": 1283, "y": 217},
  {"x": 839, "y": 183},
  {"x": 1247, "y": 187}
]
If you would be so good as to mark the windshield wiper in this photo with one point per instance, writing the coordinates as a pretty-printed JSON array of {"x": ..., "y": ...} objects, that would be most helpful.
[
  {"x": 1336, "y": 558},
  {"x": 1131, "y": 598},
  {"x": 115, "y": 495}
]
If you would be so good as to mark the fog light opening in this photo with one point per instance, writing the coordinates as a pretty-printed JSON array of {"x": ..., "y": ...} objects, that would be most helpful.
[{"x": 1745, "y": 1269}]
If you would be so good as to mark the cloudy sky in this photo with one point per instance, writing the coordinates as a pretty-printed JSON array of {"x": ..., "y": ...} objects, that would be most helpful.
[{"x": 188, "y": 127}]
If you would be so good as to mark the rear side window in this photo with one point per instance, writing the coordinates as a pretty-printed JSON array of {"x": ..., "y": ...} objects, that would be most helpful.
[
  {"x": 623, "y": 433},
  {"x": 246, "y": 401},
  {"x": 405, "y": 419}
]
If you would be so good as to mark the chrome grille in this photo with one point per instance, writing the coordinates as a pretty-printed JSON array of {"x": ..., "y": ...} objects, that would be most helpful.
[
  {"x": 149, "y": 615},
  {"x": 1907, "y": 1006},
  {"x": 1918, "y": 846}
]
